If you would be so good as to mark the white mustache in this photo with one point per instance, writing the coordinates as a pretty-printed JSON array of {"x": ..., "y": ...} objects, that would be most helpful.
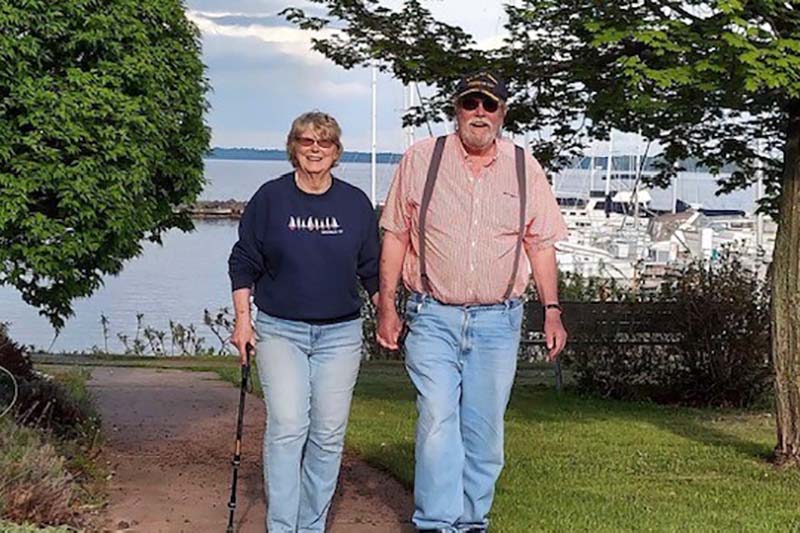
[{"x": 479, "y": 122}]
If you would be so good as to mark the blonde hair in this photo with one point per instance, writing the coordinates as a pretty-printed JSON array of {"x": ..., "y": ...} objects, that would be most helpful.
[{"x": 322, "y": 124}]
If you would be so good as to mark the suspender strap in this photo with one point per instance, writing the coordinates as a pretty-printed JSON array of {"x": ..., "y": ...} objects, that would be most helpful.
[
  {"x": 433, "y": 171},
  {"x": 519, "y": 158}
]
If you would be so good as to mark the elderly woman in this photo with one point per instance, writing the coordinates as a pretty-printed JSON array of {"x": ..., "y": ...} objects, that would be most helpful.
[{"x": 305, "y": 240}]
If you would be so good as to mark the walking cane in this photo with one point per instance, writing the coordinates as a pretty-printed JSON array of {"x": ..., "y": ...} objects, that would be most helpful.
[{"x": 237, "y": 454}]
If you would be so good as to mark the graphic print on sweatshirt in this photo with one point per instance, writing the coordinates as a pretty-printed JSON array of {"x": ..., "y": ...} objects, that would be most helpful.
[{"x": 324, "y": 225}]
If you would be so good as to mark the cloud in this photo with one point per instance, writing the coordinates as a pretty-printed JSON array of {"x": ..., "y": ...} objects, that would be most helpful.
[
  {"x": 287, "y": 40},
  {"x": 264, "y": 72},
  {"x": 227, "y": 14}
]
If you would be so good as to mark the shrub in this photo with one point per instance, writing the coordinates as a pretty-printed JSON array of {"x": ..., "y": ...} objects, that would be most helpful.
[
  {"x": 575, "y": 287},
  {"x": 723, "y": 311},
  {"x": 10, "y": 527},
  {"x": 44, "y": 443},
  {"x": 35, "y": 485},
  {"x": 721, "y": 356},
  {"x": 47, "y": 404},
  {"x": 62, "y": 406},
  {"x": 42, "y": 401},
  {"x": 12, "y": 357}
]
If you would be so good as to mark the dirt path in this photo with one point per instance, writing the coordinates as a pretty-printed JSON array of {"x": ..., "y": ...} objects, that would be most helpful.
[{"x": 169, "y": 441}]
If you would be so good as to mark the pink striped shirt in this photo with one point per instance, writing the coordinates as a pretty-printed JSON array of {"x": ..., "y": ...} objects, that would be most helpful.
[{"x": 472, "y": 222}]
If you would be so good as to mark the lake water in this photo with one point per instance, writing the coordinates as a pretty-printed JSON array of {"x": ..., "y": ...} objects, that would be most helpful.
[{"x": 188, "y": 273}]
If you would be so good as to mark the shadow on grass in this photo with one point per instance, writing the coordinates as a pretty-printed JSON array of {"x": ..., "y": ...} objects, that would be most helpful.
[
  {"x": 534, "y": 399},
  {"x": 544, "y": 405}
]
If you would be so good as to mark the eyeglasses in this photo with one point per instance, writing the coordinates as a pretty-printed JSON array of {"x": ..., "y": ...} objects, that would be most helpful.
[
  {"x": 325, "y": 144},
  {"x": 471, "y": 102}
]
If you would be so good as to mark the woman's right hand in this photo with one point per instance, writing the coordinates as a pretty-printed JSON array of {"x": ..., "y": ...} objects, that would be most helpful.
[{"x": 243, "y": 335}]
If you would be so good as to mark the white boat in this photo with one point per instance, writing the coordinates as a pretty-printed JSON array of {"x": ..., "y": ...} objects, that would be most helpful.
[
  {"x": 599, "y": 211},
  {"x": 707, "y": 234}
]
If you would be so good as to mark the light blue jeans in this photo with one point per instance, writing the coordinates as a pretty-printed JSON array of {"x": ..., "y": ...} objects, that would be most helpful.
[
  {"x": 308, "y": 373},
  {"x": 462, "y": 361}
]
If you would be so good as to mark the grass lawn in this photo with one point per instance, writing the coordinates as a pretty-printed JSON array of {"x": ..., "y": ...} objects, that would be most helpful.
[
  {"x": 578, "y": 463},
  {"x": 585, "y": 464}
]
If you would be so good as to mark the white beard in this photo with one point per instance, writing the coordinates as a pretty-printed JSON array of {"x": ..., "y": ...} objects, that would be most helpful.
[{"x": 477, "y": 140}]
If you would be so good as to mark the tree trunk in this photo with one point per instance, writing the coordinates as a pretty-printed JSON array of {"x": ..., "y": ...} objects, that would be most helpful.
[{"x": 786, "y": 300}]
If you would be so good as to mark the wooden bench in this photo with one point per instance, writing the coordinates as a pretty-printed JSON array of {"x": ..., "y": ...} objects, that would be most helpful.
[{"x": 603, "y": 323}]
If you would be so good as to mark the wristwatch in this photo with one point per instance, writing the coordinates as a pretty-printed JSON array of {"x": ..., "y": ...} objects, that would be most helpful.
[{"x": 552, "y": 306}]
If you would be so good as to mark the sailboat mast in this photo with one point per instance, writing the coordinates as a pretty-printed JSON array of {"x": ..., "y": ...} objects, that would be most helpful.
[
  {"x": 410, "y": 101},
  {"x": 759, "y": 195},
  {"x": 610, "y": 163},
  {"x": 374, "y": 154}
]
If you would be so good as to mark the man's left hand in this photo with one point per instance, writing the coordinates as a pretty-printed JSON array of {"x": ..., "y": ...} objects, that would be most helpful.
[{"x": 554, "y": 333}]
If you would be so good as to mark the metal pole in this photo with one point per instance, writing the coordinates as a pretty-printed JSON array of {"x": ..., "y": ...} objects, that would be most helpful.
[
  {"x": 759, "y": 195},
  {"x": 610, "y": 161},
  {"x": 559, "y": 375},
  {"x": 409, "y": 103},
  {"x": 374, "y": 158},
  {"x": 609, "y": 166}
]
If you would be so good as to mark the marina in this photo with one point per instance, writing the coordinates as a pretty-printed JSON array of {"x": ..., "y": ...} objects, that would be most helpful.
[
  {"x": 175, "y": 281},
  {"x": 618, "y": 233},
  {"x": 627, "y": 232}
]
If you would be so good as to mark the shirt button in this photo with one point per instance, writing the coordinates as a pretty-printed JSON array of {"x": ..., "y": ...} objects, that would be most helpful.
[{"x": 473, "y": 243}]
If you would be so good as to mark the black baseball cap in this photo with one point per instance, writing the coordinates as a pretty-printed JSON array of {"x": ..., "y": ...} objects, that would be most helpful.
[{"x": 484, "y": 82}]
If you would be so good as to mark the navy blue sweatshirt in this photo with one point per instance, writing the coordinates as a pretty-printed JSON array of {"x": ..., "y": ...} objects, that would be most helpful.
[{"x": 306, "y": 252}]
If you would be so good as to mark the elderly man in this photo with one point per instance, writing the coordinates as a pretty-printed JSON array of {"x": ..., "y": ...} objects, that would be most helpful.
[{"x": 460, "y": 210}]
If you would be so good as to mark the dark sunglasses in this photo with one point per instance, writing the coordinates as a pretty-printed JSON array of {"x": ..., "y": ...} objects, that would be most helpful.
[
  {"x": 322, "y": 143},
  {"x": 471, "y": 102}
]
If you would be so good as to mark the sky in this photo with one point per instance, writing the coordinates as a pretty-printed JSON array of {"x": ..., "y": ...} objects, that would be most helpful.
[{"x": 264, "y": 73}]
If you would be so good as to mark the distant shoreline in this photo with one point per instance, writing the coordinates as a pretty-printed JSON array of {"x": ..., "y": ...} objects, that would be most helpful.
[
  {"x": 621, "y": 162},
  {"x": 215, "y": 209},
  {"x": 271, "y": 154}
]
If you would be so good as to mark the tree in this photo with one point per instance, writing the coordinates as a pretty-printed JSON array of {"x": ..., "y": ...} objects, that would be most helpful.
[
  {"x": 101, "y": 138},
  {"x": 718, "y": 81}
]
